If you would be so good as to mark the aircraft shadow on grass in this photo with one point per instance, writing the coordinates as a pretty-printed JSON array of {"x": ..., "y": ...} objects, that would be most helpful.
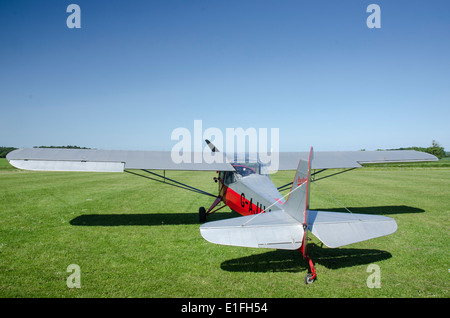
[
  {"x": 149, "y": 219},
  {"x": 292, "y": 261},
  {"x": 144, "y": 219}
]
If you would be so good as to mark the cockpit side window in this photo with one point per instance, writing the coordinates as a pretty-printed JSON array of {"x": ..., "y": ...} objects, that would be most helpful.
[{"x": 227, "y": 177}]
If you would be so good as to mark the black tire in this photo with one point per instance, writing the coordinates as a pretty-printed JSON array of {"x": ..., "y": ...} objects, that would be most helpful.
[{"x": 202, "y": 215}]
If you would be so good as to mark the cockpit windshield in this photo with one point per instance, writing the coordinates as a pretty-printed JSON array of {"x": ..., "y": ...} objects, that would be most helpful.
[
  {"x": 242, "y": 170},
  {"x": 246, "y": 169}
]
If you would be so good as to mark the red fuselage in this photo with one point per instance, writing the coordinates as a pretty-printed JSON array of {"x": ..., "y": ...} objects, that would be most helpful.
[{"x": 238, "y": 195}]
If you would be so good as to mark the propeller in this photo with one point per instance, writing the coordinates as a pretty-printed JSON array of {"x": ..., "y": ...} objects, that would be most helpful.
[{"x": 211, "y": 146}]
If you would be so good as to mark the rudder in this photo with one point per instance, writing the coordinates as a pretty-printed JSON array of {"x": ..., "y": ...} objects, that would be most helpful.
[{"x": 297, "y": 204}]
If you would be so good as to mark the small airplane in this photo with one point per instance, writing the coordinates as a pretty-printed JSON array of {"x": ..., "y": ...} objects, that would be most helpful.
[{"x": 269, "y": 219}]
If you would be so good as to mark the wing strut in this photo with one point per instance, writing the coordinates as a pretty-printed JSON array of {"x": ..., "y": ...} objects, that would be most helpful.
[
  {"x": 288, "y": 185},
  {"x": 175, "y": 183},
  {"x": 336, "y": 173}
]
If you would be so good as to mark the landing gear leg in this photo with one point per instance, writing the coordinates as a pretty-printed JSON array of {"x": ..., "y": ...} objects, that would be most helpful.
[
  {"x": 202, "y": 213},
  {"x": 310, "y": 277}
]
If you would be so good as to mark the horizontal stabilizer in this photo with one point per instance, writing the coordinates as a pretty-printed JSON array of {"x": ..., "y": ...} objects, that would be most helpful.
[
  {"x": 265, "y": 230},
  {"x": 336, "y": 229}
]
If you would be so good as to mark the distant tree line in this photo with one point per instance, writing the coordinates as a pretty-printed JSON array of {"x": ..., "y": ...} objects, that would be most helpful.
[
  {"x": 62, "y": 147},
  {"x": 5, "y": 150},
  {"x": 434, "y": 149}
]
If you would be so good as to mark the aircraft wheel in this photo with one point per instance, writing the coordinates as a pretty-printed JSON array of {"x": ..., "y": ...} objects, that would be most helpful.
[
  {"x": 310, "y": 278},
  {"x": 202, "y": 215}
]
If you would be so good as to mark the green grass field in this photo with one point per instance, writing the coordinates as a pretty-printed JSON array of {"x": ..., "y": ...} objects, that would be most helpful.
[{"x": 133, "y": 237}]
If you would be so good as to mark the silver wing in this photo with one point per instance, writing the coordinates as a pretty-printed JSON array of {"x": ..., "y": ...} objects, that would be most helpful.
[
  {"x": 50, "y": 159},
  {"x": 351, "y": 159}
]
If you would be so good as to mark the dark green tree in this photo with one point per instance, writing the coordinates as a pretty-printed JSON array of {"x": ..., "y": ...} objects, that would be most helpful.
[
  {"x": 5, "y": 150},
  {"x": 436, "y": 149}
]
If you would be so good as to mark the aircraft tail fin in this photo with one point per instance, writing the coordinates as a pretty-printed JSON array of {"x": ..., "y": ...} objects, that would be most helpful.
[{"x": 297, "y": 204}]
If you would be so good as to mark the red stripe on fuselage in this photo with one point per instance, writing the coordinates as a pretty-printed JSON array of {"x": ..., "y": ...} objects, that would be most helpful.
[{"x": 237, "y": 202}]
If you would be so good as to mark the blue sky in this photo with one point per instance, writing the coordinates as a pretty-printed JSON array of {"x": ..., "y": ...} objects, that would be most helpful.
[{"x": 136, "y": 70}]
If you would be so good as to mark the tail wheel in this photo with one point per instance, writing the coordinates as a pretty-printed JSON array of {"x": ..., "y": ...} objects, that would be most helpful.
[
  {"x": 202, "y": 215},
  {"x": 310, "y": 278}
]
